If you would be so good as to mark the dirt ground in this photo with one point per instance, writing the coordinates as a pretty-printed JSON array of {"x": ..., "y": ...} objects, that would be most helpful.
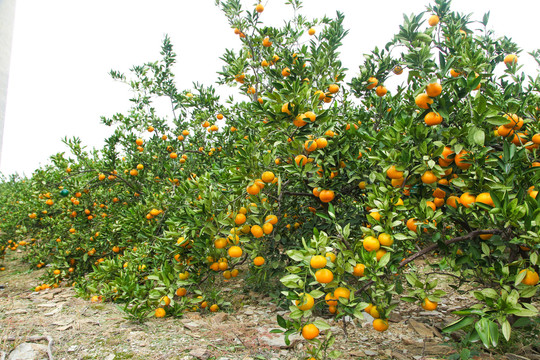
[{"x": 85, "y": 330}]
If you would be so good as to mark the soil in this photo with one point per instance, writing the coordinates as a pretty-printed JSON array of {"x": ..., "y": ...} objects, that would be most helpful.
[{"x": 85, "y": 330}]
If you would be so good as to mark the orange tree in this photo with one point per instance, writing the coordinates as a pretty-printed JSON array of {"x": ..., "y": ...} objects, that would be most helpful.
[{"x": 341, "y": 185}]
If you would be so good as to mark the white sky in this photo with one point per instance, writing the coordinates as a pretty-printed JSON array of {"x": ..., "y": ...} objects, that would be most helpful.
[{"x": 63, "y": 50}]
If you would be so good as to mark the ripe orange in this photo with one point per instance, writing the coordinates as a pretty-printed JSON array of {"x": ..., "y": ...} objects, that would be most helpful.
[
  {"x": 258, "y": 261},
  {"x": 272, "y": 219},
  {"x": 259, "y": 8},
  {"x": 392, "y": 173},
  {"x": 398, "y": 70},
  {"x": 433, "y": 118},
  {"x": 321, "y": 143},
  {"x": 257, "y": 231},
  {"x": 385, "y": 239},
  {"x": 379, "y": 254},
  {"x": 429, "y": 177},
  {"x": 454, "y": 73},
  {"x": 423, "y": 101},
  {"x": 334, "y": 88},
  {"x": 267, "y": 43},
  {"x": 253, "y": 189},
  {"x": 460, "y": 160},
  {"x": 181, "y": 292},
  {"x": 326, "y": 196},
  {"x": 375, "y": 215},
  {"x": 433, "y": 20},
  {"x": 139, "y": 142},
  {"x": 318, "y": 261},
  {"x": 466, "y": 199},
  {"x": 371, "y": 244},
  {"x": 453, "y": 201},
  {"x": 380, "y": 325},
  {"x": 310, "y": 331},
  {"x": 433, "y": 89},
  {"x": 342, "y": 292},
  {"x": 214, "y": 308},
  {"x": 429, "y": 305},
  {"x": 372, "y": 83},
  {"x": 324, "y": 276},
  {"x": 240, "y": 219},
  {"x": 235, "y": 251},
  {"x": 286, "y": 72},
  {"x": 358, "y": 270},
  {"x": 531, "y": 278},
  {"x": 510, "y": 59},
  {"x": 411, "y": 224},
  {"x": 267, "y": 176},
  {"x": 381, "y": 90},
  {"x": 311, "y": 31},
  {"x": 306, "y": 302},
  {"x": 300, "y": 160},
  {"x": 160, "y": 312},
  {"x": 485, "y": 198},
  {"x": 310, "y": 145},
  {"x": 267, "y": 228}
]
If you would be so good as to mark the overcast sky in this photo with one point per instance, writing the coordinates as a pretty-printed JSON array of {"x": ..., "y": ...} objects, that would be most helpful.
[{"x": 63, "y": 50}]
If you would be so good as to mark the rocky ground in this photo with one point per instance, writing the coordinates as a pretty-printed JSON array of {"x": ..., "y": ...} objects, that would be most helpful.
[{"x": 84, "y": 330}]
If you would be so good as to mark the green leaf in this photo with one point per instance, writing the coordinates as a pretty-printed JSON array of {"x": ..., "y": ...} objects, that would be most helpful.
[
  {"x": 506, "y": 329},
  {"x": 321, "y": 325},
  {"x": 459, "y": 324}
]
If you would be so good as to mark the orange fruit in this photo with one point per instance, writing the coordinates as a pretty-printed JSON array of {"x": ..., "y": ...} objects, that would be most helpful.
[
  {"x": 433, "y": 89},
  {"x": 257, "y": 231},
  {"x": 433, "y": 20},
  {"x": 305, "y": 302},
  {"x": 181, "y": 292},
  {"x": 531, "y": 277},
  {"x": 259, "y": 8},
  {"x": 429, "y": 305},
  {"x": 359, "y": 269},
  {"x": 385, "y": 239},
  {"x": 433, "y": 118},
  {"x": 272, "y": 219},
  {"x": 334, "y": 88},
  {"x": 454, "y": 73},
  {"x": 317, "y": 262},
  {"x": 342, "y": 292},
  {"x": 267, "y": 176},
  {"x": 258, "y": 261},
  {"x": 235, "y": 251},
  {"x": 253, "y": 189},
  {"x": 381, "y": 91},
  {"x": 326, "y": 196},
  {"x": 372, "y": 83},
  {"x": 286, "y": 72},
  {"x": 411, "y": 224},
  {"x": 466, "y": 199},
  {"x": 485, "y": 198},
  {"x": 324, "y": 276},
  {"x": 300, "y": 160},
  {"x": 330, "y": 299},
  {"x": 375, "y": 215},
  {"x": 321, "y": 143},
  {"x": 379, "y": 254},
  {"x": 240, "y": 219},
  {"x": 510, "y": 59},
  {"x": 268, "y": 228},
  {"x": 380, "y": 325},
  {"x": 392, "y": 173},
  {"x": 423, "y": 101},
  {"x": 453, "y": 201},
  {"x": 310, "y": 331},
  {"x": 214, "y": 308},
  {"x": 429, "y": 177},
  {"x": 460, "y": 160},
  {"x": 160, "y": 312},
  {"x": 371, "y": 244},
  {"x": 310, "y": 145},
  {"x": 311, "y": 31}
]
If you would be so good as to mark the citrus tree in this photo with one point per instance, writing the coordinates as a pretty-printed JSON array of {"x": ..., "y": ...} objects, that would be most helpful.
[{"x": 334, "y": 188}]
